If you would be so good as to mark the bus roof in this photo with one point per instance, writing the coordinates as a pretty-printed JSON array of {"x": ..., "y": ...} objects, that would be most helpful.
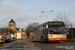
[
  {"x": 45, "y": 24},
  {"x": 54, "y": 21}
]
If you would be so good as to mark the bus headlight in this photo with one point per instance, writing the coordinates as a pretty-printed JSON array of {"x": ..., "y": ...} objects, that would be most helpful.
[
  {"x": 49, "y": 36},
  {"x": 65, "y": 35}
]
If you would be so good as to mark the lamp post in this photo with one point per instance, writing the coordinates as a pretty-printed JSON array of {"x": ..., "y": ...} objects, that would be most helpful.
[{"x": 47, "y": 13}]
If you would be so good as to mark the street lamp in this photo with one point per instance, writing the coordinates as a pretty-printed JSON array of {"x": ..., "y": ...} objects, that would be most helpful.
[{"x": 47, "y": 13}]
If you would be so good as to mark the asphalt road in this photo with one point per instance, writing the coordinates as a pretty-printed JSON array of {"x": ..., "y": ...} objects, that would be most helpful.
[
  {"x": 6, "y": 43},
  {"x": 19, "y": 45},
  {"x": 55, "y": 46}
]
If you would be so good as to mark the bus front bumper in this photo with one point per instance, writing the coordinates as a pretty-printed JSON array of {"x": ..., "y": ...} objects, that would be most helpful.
[{"x": 57, "y": 39}]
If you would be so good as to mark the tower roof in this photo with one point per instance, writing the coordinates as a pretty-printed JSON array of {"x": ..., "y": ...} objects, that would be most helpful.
[{"x": 12, "y": 21}]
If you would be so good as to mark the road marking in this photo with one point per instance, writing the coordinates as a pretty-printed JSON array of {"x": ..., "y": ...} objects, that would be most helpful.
[{"x": 32, "y": 44}]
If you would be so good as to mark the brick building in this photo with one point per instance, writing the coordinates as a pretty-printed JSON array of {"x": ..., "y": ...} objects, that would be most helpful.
[{"x": 71, "y": 33}]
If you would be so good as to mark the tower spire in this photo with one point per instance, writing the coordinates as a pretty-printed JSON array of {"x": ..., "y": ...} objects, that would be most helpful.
[{"x": 12, "y": 21}]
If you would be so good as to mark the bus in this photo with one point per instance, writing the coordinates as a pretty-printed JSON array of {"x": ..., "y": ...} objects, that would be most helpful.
[{"x": 48, "y": 31}]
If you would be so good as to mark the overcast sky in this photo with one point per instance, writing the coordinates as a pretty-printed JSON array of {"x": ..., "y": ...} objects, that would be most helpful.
[{"x": 25, "y": 11}]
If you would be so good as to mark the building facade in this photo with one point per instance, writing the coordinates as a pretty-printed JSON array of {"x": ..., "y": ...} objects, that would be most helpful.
[
  {"x": 71, "y": 33},
  {"x": 14, "y": 31}
]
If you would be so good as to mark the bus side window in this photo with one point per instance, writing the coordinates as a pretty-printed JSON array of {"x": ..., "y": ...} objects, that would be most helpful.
[
  {"x": 41, "y": 30},
  {"x": 45, "y": 30},
  {"x": 37, "y": 30}
]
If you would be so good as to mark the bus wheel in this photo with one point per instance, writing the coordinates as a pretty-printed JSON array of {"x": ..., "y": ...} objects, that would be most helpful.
[
  {"x": 42, "y": 40},
  {"x": 57, "y": 41}
]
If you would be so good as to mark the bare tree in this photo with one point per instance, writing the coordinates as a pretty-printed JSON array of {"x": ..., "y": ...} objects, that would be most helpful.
[
  {"x": 64, "y": 19},
  {"x": 30, "y": 25},
  {"x": 2, "y": 30}
]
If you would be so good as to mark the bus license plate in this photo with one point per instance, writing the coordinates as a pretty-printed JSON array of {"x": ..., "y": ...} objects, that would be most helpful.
[{"x": 57, "y": 39}]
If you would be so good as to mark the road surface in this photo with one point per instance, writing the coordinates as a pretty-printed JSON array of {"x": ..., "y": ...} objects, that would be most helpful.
[
  {"x": 55, "y": 46},
  {"x": 43, "y": 46}
]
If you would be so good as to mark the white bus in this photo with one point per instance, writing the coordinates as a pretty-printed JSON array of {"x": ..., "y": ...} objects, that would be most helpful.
[{"x": 49, "y": 31}]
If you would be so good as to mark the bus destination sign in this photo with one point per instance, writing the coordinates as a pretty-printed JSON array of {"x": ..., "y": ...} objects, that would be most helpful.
[{"x": 55, "y": 23}]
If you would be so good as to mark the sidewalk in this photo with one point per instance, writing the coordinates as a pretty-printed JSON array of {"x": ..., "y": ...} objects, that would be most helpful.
[{"x": 20, "y": 44}]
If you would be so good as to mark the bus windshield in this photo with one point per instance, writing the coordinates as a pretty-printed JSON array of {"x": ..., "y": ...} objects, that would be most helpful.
[{"x": 56, "y": 29}]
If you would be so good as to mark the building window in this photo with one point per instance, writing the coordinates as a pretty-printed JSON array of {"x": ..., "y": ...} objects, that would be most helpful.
[
  {"x": 14, "y": 25},
  {"x": 10, "y": 25}
]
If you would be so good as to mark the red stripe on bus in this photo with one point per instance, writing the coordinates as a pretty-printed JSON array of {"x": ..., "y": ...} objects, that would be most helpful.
[{"x": 57, "y": 39}]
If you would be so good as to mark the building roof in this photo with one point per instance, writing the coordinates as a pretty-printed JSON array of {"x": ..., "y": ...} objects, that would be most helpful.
[
  {"x": 18, "y": 29},
  {"x": 12, "y": 21}
]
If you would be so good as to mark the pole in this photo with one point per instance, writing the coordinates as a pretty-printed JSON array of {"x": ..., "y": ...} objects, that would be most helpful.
[
  {"x": 47, "y": 13},
  {"x": 47, "y": 16}
]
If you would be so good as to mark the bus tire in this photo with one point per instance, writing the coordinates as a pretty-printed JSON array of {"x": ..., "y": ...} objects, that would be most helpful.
[
  {"x": 57, "y": 41},
  {"x": 42, "y": 40}
]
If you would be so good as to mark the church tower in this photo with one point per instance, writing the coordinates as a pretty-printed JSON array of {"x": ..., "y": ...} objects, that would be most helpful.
[{"x": 12, "y": 24}]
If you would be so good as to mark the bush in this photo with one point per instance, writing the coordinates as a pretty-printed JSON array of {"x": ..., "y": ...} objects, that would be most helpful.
[{"x": 70, "y": 39}]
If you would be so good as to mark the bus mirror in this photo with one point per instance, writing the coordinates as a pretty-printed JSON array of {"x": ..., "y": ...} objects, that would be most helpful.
[{"x": 46, "y": 26}]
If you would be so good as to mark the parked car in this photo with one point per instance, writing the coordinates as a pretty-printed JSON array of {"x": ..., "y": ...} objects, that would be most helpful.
[
  {"x": 2, "y": 40},
  {"x": 6, "y": 38},
  {"x": 11, "y": 38}
]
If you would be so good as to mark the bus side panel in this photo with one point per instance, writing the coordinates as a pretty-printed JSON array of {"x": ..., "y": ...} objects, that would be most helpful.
[
  {"x": 32, "y": 36},
  {"x": 40, "y": 33}
]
